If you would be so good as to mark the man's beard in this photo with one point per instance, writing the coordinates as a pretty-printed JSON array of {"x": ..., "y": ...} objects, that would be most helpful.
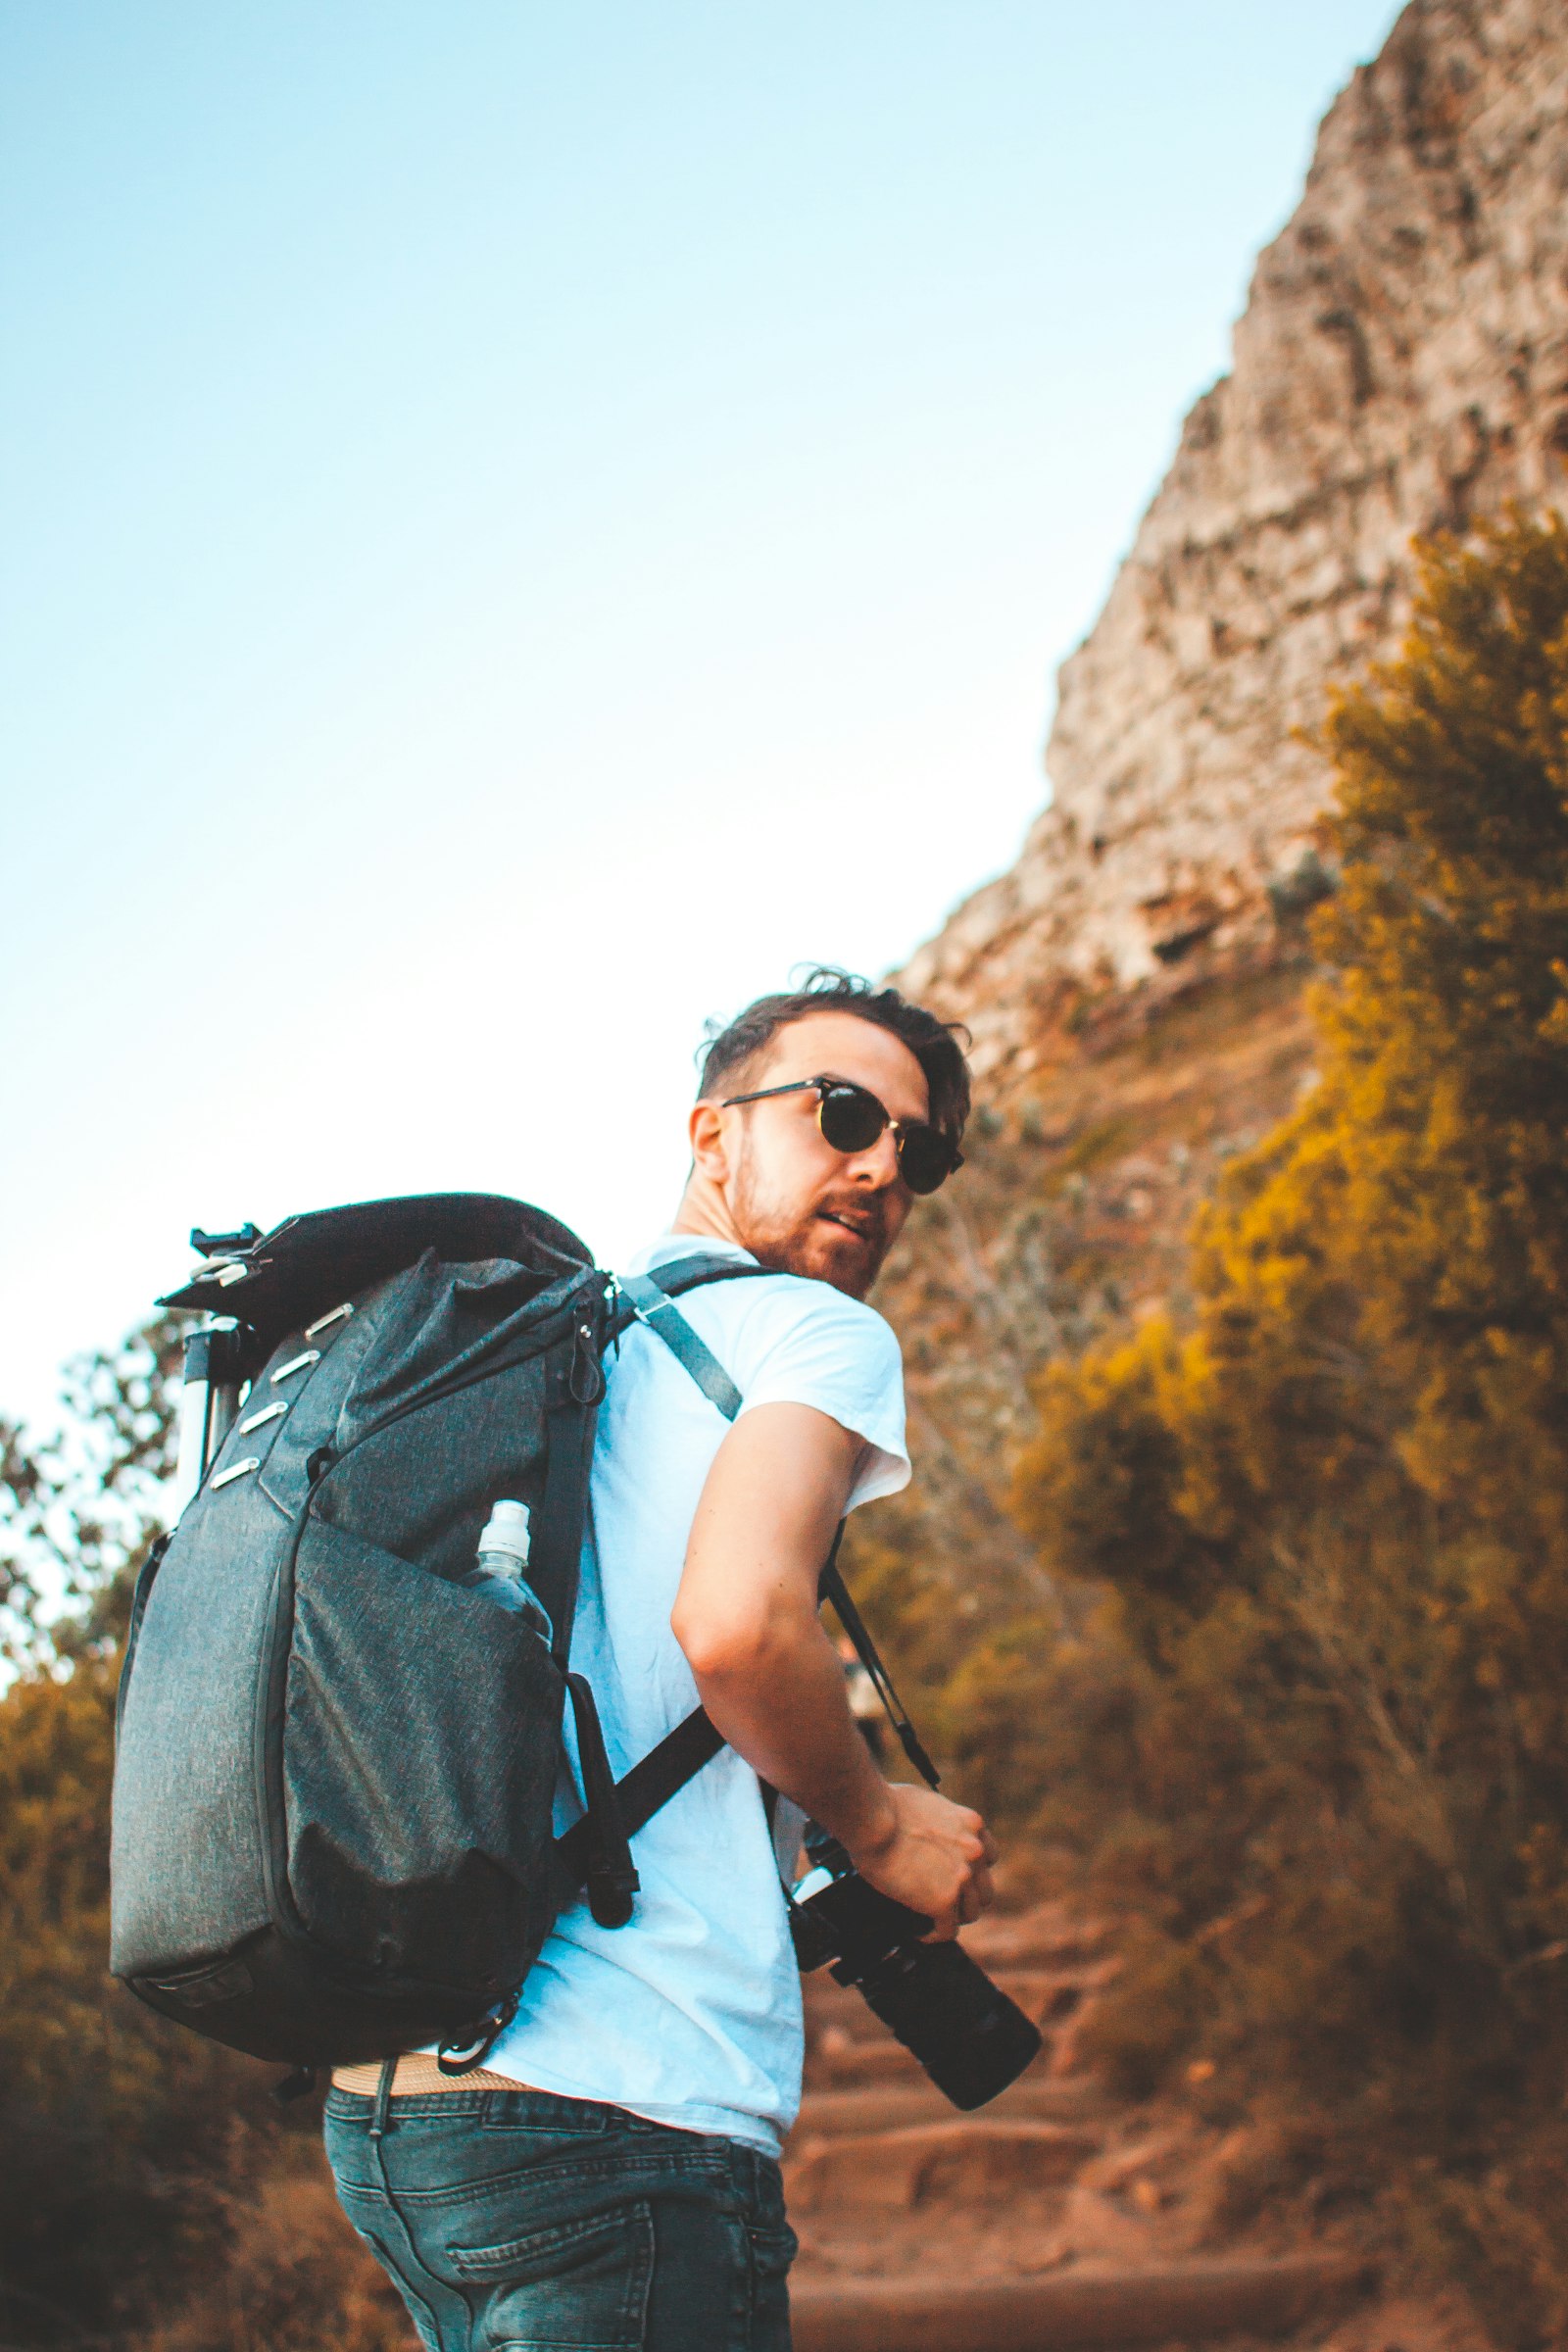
[{"x": 813, "y": 1243}]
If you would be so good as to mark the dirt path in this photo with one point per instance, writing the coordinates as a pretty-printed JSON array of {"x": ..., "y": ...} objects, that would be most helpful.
[{"x": 1057, "y": 2215}]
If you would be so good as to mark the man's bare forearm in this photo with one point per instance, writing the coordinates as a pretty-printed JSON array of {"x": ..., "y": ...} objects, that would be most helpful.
[
  {"x": 747, "y": 1619},
  {"x": 769, "y": 1678}
]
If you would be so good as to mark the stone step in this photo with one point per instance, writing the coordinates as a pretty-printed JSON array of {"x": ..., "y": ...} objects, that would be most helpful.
[
  {"x": 895, "y": 2106},
  {"x": 836, "y": 2059},
  {"x": 1045, "y": 1995},
  {"x": 1000, "y": 1952},
  {"x": 961, "y": 2161},
  {"x": 1044, "y": 2000},
  {"x": 1043, "y": 1939},
  {"x": 840, "y": 2061},
  {"x": 1185, "y": 2302},
  {"x": 1089, "y": 1969}
]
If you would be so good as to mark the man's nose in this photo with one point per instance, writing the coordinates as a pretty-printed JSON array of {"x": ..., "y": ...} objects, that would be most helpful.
[{"x": 877, "y": 1167}]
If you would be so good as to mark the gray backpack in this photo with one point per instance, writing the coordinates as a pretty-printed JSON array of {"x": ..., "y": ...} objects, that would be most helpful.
[{"x": 335, "y": 1764}]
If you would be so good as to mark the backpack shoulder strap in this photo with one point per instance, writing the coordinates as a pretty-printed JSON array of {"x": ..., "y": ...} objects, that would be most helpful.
[
  {"x": 678, "y": 1275},
  {"x": 681, "y": 1754},
  {"x": 652, "y": 1303},
  {"x": 652, "y": 1298}
]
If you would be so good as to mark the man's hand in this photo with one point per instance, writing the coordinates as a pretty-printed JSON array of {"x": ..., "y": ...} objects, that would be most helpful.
[
  {"x": 771, "y": 1680},
  {"x": 931, "y": 1857}
]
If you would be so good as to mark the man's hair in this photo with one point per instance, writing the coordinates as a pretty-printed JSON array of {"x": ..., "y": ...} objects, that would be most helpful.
[{"x": 934, "y": 1043}]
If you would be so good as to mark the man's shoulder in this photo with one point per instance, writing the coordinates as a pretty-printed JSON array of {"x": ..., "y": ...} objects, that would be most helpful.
[
  {"x": 794, "y": 1314},
  {"x": 791, "y": 1340},
  {"x": 765, "y": 1300}
]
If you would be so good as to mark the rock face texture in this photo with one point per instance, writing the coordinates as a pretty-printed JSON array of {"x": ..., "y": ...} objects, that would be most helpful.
[
  {"x": 1135, "y": 985},
  {"x": 1402, "y": 366}
]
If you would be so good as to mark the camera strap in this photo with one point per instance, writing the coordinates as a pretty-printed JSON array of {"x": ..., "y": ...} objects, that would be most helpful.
[{"x": 832, "y": 1588}]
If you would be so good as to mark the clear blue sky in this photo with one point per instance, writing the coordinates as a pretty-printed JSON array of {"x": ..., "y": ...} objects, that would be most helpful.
[{"x": 522, "y": 522}]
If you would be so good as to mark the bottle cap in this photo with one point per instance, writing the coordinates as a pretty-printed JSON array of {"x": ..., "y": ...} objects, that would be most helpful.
[{"x": 507, "y": 1530}]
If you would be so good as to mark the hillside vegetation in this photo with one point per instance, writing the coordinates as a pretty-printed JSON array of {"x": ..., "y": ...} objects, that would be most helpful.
[
  {"x": 1293, "y": 1689},
  {"x": 152, "y": 2196}
]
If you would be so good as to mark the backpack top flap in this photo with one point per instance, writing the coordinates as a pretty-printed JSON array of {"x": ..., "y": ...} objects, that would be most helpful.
[{"x": 309, "y": 1263}]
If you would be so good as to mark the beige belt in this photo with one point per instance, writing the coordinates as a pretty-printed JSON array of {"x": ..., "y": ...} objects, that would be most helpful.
[{"x": 419, "y": 2073}]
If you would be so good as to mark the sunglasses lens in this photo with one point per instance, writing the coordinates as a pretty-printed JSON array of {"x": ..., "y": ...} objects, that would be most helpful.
[
  {"x": 851, "y": 1119},
  {"x": 925, "y": 1158}
]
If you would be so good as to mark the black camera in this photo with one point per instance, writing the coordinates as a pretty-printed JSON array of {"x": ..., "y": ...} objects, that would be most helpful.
[{"x": 970, "y": 2038}]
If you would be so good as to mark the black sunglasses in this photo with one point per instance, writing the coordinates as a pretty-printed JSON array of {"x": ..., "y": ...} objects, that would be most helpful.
[{"x": 852, "y": 1119}]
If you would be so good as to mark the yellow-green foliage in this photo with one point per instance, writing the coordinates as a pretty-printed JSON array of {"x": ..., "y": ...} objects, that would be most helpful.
[
  {"x": 1318, "y": 1732},
  {"x": 146, "y": 2180},
  {"x": 150, "y": 2198},
  {"x": 109, "y": 2127}
]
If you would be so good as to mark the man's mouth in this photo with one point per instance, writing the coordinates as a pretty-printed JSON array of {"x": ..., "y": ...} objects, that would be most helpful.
[{"x": 860, "y": 1230}]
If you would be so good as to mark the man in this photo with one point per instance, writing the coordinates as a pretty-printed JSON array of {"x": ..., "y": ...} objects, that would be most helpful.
[{"x": 611, "y": 2179}]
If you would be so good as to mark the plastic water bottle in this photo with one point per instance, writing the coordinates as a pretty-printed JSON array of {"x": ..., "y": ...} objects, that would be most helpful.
[{"x": 498, "y": 1572}]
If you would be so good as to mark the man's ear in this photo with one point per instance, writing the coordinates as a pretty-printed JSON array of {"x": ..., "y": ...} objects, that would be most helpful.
[{"x": 709, "y": 1150}]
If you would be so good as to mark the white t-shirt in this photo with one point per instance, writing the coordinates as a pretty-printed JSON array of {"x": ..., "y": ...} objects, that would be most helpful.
[{"x": 690, "y": 2015}]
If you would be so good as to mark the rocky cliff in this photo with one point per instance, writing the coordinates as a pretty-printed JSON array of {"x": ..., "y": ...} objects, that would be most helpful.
[
  {"x": 1134, "y": 985},
  {"x": 1402, "y": 366}
]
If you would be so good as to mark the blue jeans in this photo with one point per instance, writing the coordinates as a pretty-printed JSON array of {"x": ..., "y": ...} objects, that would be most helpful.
[{"x": 514, "y": 2222}]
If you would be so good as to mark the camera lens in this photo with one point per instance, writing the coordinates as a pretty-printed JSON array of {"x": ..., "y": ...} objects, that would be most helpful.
[{"x": 970, "y": 2038}]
